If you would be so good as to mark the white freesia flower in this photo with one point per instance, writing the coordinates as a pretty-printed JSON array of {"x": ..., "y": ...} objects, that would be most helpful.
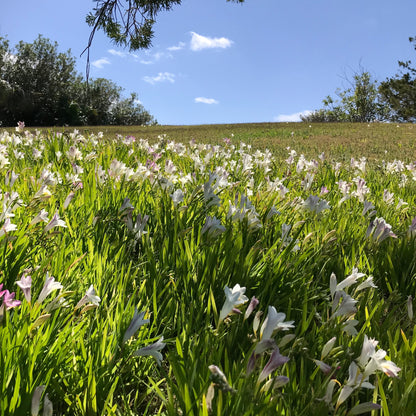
[
  {"x": 274, "y": 321},
  {"x": 332, "y": 284},
  {"x": 55, "y": 222},
  {"x": 37, "y": 394},
  {"x": 47, "y": 406},
  {"x": 253, "y": 304},
  {"x": 42, "y": 216},
  {"x": 234, "y": 297},
  {"x": 137, "y": 228},
  {"x": 212, "y": 227},
  {"x": 275, "y": 383},
  {"x": 49, "y": 286},
  {"x": 350, "y": 280},
  {"x": 25, "y": 283},
  {"x": 89, "y": 297},
  {"x": 346, "y": 307},
  {"x": 10, "y": 178},
  {"x": 349, "y": 327},
  {"x": 315, "y": 204},
  {"x": 368, "y": 207},
  {"x": 177, "y": 197},
  {"x": 153, "y": 350},
  {"x": 379, "y": 230},
  {"x": 210, "y": 197},
  {"x": 355, "y": 380},
  {"x": 7, "y": 227},
  {"x": 43, "y": 193},
  {"x": 136, "y": 322},
  {"x": 68, "y": 199},
  {"x": 378, "y": 362},
  {"x": 367, "y": 283}
]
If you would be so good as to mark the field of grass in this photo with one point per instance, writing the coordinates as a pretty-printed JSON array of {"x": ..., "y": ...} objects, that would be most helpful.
[
  {"x": 337, "y": 140},
  {"x": 174, "y": 270}
]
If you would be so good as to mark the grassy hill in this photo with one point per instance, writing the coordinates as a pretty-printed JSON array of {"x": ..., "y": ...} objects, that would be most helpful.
[{"x": 337, "y": 140}]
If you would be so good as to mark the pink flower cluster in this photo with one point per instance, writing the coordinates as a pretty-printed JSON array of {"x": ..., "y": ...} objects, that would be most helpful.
[{"x": 8, "y": 298}]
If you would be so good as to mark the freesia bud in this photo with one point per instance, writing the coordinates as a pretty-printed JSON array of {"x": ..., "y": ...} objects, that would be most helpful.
[
  {"x": 410, "y": 308},
  {"x": 37, "y": 394},
  {"x": 253, "y": 304},
  {"x": 328, "y": 347}
]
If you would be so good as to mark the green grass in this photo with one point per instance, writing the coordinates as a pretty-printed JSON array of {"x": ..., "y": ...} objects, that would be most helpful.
[
  {"x": 337, "y": 140},
  {"x": 173, "y": 267}
]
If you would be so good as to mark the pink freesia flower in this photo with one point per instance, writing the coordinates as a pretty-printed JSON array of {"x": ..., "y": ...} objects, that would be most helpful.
[
  {"x": 275, "y": 361},
  {"x": 8, "y": 299}
]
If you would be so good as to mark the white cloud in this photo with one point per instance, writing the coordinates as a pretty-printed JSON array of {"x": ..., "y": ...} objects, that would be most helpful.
[
  {"x": 205, "y": 100},
  {"x": 154, "y": 57},
  {"x": 199, "y": 42},
  {"x": 160, "y": 77},
  {"x": 292, "y": 117},
  {"x": 177, "y": 47},
  {"x": 117, "y": 53},
  {"x": 99, "y": 63}
]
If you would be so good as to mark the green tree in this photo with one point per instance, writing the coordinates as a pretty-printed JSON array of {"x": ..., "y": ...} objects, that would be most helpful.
[
  {"x": 40, "y": 86},
  {"x": 36, "y": 82},
  {"x": 359, "y": 103},
  {"x": 101, "y": 103},
  {"x": 399, "y": 92},
  {"x": 98, "y": 99},
  {"x": 130, "y": 112}
]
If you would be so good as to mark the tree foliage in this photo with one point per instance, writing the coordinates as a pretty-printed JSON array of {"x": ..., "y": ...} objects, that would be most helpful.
[
  {"x": 40, "y": 85},
  {"x": 399, "y": 92},
  {"x": 36, "y": 82},
  {"x": 359, "y": 103}
]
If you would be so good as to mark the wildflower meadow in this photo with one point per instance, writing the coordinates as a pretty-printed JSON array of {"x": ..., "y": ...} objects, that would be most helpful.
[{"x": 183, "y": 278}]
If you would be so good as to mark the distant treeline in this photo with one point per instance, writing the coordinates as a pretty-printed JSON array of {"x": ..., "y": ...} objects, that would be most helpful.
[
  {"x": 40, "y": 86},
  {"x": 366, "y": 100}
]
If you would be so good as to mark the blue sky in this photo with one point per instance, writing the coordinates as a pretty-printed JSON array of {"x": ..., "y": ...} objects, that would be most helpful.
[{"x": 219, "y": 62}]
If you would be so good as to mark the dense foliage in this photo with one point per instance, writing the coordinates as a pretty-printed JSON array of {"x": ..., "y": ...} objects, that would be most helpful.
[
  {"x": 177, "y": 278},
  {"x": 399, "y": 92},
  {"x": 40, "y": 85}
]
